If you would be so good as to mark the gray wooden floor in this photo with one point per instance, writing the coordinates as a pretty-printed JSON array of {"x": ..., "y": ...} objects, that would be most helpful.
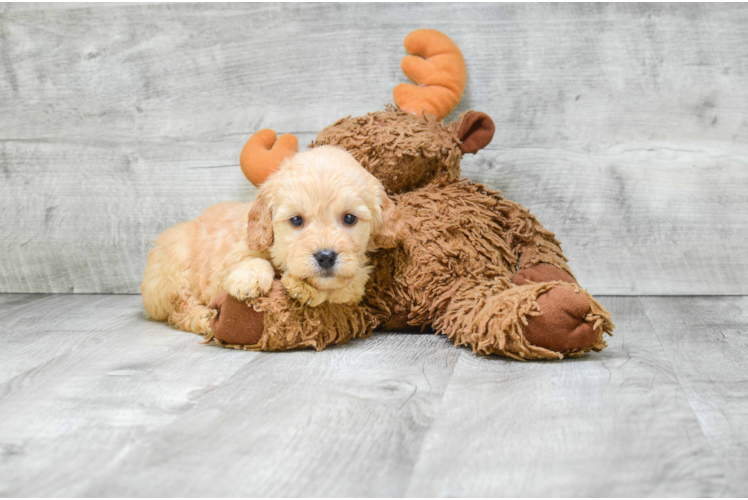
[{"x": 97, "y": 400}]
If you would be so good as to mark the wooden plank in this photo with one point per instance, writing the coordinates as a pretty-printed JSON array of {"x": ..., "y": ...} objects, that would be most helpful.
[
  {"x": 706, "y": 340},
  {"x": 139, "y": 409},
  {"x": 564, "y": 73},
  {"x": 36, "y": 328},
  {"x": 121, "y": 120},
  {"x": 627, "y": 227},
  {"x": 9, "y": 301},
  {"x": 342, "y": 422},
  {"x": 113, "y": 376},
  {"x": 123, "y": 406},
  {"x": 87, "y": 224},
  {"x": 646, "y": 218},
  {"x": 615, "y": 423}
]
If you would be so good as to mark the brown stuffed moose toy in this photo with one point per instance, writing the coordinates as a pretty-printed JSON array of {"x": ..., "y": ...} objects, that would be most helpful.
[{"x": 467, "y": 263}]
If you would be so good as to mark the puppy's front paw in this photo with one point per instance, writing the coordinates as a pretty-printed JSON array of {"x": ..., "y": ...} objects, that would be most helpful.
[
  {"x": 250, "y": 279},
  {"x": 302, "y": 291}
]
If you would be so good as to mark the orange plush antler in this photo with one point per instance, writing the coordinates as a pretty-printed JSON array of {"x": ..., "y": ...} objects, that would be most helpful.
[
  {"x": 262, "y": 155},
  {"x": 438, "y": 68}
]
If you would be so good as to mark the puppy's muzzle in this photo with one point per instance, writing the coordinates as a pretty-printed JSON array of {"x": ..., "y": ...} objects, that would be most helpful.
[{"x": 326, "y": 260}]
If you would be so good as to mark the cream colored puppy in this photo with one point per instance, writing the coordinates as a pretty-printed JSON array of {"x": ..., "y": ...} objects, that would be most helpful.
[{"x": 313, "y": 221}]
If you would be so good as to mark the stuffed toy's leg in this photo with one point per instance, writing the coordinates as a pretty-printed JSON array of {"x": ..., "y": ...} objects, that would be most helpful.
[
  {"x": 483, "y": 271},
  {"x": 531, "y": 321},
  {"x": 277, "y": 322}
]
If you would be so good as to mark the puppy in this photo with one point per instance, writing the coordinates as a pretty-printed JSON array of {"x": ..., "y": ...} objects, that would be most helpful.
[{"x": 313, "y": 221}]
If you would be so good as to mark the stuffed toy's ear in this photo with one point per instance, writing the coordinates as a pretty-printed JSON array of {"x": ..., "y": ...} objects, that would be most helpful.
[
  {"x": 262, "y": 154},
  {"x": 475, "y": 131},
  {"x": 390, "y": 231},
  {"x": 260, "y": 224}
]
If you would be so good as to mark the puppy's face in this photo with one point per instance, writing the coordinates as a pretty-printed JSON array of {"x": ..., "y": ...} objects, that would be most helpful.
[{"x": 325, "y": 211}]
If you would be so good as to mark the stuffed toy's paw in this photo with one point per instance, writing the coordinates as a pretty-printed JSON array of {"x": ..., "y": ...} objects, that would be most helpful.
[
  {"x": 542, "y": 273},
  {"x": 278, "y": 322},
  {"x": 562, "y": 326},
  {"x": 235, "y": 322}
]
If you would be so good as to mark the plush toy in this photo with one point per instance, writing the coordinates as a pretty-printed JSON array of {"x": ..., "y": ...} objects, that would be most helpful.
[{"x": 468, "y": 263}]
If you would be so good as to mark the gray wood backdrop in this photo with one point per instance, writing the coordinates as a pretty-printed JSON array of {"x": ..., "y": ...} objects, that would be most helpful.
[{"x": 622, "y": 127}]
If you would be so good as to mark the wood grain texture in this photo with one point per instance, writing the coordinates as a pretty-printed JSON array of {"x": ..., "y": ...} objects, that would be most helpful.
[
  {"x": 622, "y": 126},
  {"x": 342, "y": 421},
  {"x": 97, "y": 376},
  {"x": 706, "y": 340},
  {"x": 33, "y": 327},
  {"x": 97, "y": 401},
  {"x": 614, "y": 423},
  {"x": 656, "y": 218}
]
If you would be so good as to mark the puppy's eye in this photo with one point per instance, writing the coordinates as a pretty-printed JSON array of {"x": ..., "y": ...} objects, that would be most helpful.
[
  {"x": 350, "y": 219},
  {"x": 296, "y": 221}
]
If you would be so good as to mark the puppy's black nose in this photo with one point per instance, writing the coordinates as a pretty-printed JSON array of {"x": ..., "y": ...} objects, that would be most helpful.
[{"x": 326, "y": 258}]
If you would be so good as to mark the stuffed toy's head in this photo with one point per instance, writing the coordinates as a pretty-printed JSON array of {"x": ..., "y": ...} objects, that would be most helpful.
[
  {"x": 405, "y": 151},
  {"x": 406, "y": 145}
]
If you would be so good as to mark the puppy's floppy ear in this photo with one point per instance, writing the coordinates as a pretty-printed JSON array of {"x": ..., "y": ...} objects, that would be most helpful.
[
  {"x": 390, "y": 231},
  {"x": 260, "y": 224}
]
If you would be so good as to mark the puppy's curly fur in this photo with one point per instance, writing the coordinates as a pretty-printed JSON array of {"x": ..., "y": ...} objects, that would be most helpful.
[{"x": 320, "y": 200}]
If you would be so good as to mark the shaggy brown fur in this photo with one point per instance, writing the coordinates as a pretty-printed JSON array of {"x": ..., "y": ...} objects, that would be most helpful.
[
  {"x": 456, "y": 267},
  {"x": 290, "y": 325},
  {"x": 402, "y": 150},
  {"x": 453, "y": 272}
]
